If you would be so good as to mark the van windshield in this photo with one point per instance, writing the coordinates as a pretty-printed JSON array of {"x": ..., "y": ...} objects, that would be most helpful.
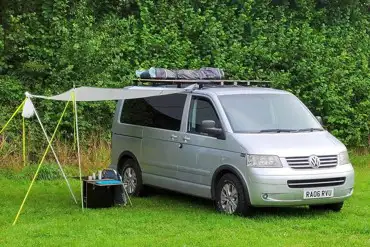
[{"x": 258, "y": 113}]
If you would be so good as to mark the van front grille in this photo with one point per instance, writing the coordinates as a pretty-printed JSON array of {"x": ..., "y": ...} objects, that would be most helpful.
[
  {"x": 312, "y": 183},
  {"x": 302, "y": 162}
]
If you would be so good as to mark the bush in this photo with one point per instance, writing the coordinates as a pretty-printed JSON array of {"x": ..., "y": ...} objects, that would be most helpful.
[
  {"x": 317, "y": 50},
  {"x": 46, "y": 172}
]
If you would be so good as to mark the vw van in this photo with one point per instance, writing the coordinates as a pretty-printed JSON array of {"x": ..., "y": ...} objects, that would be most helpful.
[{"x": 240, "y": 146}]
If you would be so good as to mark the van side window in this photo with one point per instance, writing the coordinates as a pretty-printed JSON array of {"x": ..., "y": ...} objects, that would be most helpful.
[
  {"x": 163, "y": 112},
  {"x": 201, "y": 109}
]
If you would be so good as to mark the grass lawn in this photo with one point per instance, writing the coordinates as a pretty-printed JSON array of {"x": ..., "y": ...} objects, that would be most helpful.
[{"x": 50, "y": 218}]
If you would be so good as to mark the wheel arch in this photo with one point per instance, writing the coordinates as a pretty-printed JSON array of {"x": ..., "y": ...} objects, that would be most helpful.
[
  {"x": 125, "y": 156},
  {"x": 222, "y": 170}
]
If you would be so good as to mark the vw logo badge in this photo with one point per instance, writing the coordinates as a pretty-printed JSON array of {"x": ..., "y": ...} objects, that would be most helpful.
[{"x": 314, "y": 161}]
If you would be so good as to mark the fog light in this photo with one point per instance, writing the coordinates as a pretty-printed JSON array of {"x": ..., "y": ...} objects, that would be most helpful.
[{"x": 265, "y": 196}]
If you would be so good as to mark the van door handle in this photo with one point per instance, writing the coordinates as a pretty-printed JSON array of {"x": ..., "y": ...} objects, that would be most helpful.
[
  {"x": 186, "y": 138},
  {"x": 173, "y": 137}
]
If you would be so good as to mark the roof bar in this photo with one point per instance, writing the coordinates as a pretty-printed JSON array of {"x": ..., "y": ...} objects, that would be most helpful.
[
  {"x": 196, "y": 81},
  {"x": 200, "y": 82}
]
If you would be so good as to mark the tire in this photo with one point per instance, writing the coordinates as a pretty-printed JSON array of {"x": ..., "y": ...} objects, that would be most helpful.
[
  {"x": 131, "y": 177},
  {"x": 231, "y": 196},
  {"x": 336, "y": 207}
]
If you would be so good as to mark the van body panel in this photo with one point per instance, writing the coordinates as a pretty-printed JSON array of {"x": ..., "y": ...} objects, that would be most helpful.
[
  {"x": 178, "y": 185},
  {"x": 126, "y": 138},
  {"x": 202, "y": 155},
  {"x": 160, "y": 152},
  {"x": 290, "y": 144}
]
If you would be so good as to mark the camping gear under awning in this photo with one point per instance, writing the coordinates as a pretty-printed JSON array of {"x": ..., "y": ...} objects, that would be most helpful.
[{"x": 72, "y": 96}]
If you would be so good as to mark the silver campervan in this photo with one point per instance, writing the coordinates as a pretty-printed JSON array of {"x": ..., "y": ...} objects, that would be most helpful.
[{"x": 240, "y": 146}]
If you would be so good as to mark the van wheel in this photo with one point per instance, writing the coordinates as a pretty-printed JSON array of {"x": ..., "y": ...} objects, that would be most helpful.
[
  {"x": 131, "y": 177},
  {"x": 230, "y": 196},
  {"x": 336, "y": 207}
]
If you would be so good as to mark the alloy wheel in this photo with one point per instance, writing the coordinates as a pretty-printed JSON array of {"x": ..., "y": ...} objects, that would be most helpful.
[
  {"x": 130, "y": 180},
  {"x": 229, "y": 198}
]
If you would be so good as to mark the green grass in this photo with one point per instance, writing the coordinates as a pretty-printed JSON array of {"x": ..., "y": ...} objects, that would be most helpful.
[{"x": 168, "y": 219}]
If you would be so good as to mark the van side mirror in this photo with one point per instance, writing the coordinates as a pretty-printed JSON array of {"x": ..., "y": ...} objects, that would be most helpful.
[
  {"x": 209, "y": 127},
  {"x": 319, "y": 118}
]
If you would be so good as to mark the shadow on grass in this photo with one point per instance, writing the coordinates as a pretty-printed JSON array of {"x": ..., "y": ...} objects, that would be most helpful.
[
  {"x": 293, "y": 212},
  {"x": 208, "y": 205},
  {"x": 168, "y": 195}
]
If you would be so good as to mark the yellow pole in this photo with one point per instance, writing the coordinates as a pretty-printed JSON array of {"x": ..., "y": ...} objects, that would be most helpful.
[
  {"x": 24, "y": 141},
  {"x": 11, "y": 118},
  {"x": 74, "y": 124},
  {"x": 39, "y": 165}
]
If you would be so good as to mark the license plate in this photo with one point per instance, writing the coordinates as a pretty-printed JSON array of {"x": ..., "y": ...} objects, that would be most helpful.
[{"x": 318, "y": 193}]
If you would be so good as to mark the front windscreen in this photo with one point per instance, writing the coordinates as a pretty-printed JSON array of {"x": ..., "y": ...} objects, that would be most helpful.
[{"x": 254, "y": 113}]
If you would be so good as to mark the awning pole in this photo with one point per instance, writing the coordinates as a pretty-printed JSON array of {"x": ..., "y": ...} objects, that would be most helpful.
[
  {"x": 52, "y": 149},
  {"x": 74, "y": 95},
  {"x": 24, "y": 141},
  {"x": 42, "y": 160},
  {"x": 11, "y": 118}
]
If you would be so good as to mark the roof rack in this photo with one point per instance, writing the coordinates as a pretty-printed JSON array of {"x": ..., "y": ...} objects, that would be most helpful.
[{"x": 201, "y": 83}]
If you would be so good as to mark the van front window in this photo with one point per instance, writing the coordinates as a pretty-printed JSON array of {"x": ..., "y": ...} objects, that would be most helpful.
[{"x": 258, "y": 113}]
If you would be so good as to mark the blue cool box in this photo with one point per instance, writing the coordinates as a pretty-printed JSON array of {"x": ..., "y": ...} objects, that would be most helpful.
[{"x": 106, "y": 182}]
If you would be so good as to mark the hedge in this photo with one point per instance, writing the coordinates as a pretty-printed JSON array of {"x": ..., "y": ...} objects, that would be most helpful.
[{"x": 319, "y": 50}]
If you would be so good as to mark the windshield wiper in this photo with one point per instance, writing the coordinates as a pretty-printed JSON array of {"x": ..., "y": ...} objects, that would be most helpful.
[
  {"x": 309, "y": 129},
  {"x": 276, "y": 130}
]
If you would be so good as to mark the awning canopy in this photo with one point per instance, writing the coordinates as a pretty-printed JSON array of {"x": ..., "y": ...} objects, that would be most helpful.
[{"x": 101, "y": 94}]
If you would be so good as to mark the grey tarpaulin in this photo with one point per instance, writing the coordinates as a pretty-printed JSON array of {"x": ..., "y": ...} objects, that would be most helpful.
[{"x": 206, "y": 73}]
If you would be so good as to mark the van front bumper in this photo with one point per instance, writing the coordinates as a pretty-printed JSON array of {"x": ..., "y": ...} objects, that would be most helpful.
[{"x": 266, "y": 189}]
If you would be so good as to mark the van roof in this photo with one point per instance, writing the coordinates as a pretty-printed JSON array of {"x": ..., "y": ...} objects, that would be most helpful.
[
  {"x": 217, "y": 87},
  {"x": 239, "y": 90},
  {"x": 225, "y": 90}
]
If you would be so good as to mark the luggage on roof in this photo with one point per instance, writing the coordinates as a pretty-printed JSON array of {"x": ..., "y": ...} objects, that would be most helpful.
[{"x": 201, "y": 74}]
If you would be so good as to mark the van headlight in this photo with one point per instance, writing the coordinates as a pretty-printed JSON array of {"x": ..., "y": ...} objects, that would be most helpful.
[
  {"x": 263, "y": 161},
  {"x": 343, "y": 158}
]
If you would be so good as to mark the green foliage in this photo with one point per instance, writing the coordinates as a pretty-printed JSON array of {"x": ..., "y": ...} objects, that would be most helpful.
[
  {"x": 1, "y": 49},
  {"x": 316, "y": 49},
  {"x": 46, "y": 172}
]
